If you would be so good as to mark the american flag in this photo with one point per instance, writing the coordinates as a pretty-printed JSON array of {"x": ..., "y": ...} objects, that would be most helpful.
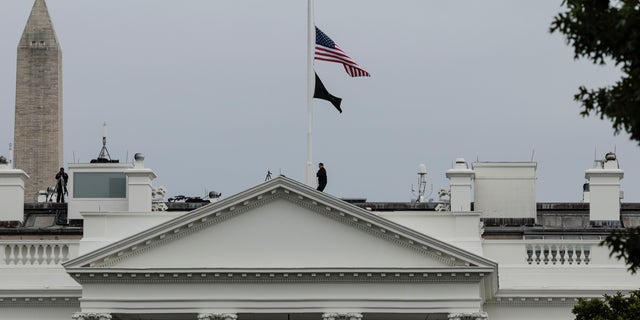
[{"x": 327, "y": 50}]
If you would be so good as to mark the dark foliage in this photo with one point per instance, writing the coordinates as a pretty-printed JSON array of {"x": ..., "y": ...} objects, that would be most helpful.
[
  {"x": 616, "y": 307},
  {"x": 601, "y": 31},
  {"x": 625, "y": 244}
]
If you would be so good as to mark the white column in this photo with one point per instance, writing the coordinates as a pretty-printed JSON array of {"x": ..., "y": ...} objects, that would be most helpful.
[
  {"x": 469, "y": 316},
  {"x": 91, "y": 316},
  {"x": 217, "y": 316}
]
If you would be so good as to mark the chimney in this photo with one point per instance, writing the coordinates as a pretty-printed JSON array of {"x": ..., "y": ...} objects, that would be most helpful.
[
  {"x": 139, "y": 189},
  {"x": 11, "y": 192},
  {"x": 460, "y": 177},
  {"x": 604, "y": 189}
]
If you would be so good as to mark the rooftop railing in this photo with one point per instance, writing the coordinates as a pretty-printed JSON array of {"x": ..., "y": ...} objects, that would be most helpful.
[
  {"x": 548, "y": 252},
  {"x": 37, "y": 252}
]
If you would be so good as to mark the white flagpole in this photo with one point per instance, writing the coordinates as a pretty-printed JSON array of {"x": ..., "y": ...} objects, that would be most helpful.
[{"x": 311, "y": 42}]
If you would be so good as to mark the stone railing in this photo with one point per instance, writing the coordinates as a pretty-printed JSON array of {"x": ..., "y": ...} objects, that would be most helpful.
[
  {"x": 558, "y": 253},
  {"x": 37, "y": 253},
  {"x": 572, "y": 253}
]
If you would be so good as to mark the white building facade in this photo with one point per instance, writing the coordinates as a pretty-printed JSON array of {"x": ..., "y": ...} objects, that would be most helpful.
[{"x": 282, "y": 250}]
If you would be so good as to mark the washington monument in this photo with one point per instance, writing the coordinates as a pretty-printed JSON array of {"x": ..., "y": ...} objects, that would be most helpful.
[{"x": 38, "y": 118}]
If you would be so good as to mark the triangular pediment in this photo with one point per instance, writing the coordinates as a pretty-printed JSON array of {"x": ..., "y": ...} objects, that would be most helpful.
[{"x": 280, "y": 224}]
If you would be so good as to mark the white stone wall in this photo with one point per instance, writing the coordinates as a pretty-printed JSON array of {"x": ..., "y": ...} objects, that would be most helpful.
[
  {"x": 37, "y": 312},
  {"x": 505, "y": 189},
  {"x": 557, "y": 270}
]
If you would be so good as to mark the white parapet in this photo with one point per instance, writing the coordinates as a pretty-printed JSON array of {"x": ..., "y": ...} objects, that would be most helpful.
[
  {"x": 39, "y": 253},
  {"x": 505, "y": 189},
  {"x": 461, "y": 229},
  {"x": 11, "y": 193},
  {"x": 548, "y": 265},
  {"x": 104, "y": 228}
]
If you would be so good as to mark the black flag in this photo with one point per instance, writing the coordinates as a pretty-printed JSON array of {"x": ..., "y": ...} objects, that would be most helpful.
[{"x": 321, "y": 92}]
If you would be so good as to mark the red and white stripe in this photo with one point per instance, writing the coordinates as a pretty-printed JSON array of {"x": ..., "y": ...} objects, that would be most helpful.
[{"x": 337, "y": 55}]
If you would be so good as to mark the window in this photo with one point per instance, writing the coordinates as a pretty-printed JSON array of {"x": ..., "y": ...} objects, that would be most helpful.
[{"x": 99, "y": 185}]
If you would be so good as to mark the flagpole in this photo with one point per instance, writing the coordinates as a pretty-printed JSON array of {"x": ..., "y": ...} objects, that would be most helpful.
[{"x": 311, "y": 41}]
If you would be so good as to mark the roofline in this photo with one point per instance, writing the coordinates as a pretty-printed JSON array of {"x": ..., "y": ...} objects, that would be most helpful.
[
  {"x": 480, "y": 270},
  {"x": 271, "y": 186}
]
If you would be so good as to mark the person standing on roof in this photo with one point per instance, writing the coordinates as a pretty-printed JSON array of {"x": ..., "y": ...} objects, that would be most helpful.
[
  {"x": 61, "y": 185},
  {"x": 322, "y": 177}
]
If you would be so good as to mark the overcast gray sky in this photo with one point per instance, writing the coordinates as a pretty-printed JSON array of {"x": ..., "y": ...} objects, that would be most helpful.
[{"x": 214, "y": 92}]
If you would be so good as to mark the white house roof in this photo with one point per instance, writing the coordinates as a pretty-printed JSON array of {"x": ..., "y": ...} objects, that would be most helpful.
[{"x": 278, "y": 228}]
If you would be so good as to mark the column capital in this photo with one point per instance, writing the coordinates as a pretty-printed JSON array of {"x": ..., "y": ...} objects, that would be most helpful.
[
  {"x": 469, "y": 316},
  {"x": 91, "y": 316},
  {"x": 342, "y": 316},
  {"x": 217, "y": 316}
]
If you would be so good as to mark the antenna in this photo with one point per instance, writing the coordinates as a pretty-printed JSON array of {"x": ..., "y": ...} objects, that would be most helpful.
[
  {"x": 104, "y": 156},
  {"x": 533, "y": 152},
  {"x": 422, "y": 182},
  {"x": 104, "y": 153}
]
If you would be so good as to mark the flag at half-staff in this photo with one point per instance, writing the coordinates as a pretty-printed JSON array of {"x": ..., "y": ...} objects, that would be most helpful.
[
  {"x": 321, "y": 92},
  {"x": 327, "y": 50}
]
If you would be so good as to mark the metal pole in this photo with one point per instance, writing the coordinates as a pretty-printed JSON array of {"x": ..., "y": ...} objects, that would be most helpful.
[{"x": 311, "y": 42}]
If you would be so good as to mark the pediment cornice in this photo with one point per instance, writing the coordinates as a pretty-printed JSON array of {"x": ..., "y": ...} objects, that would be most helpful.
[
  {"x": 301, "y": 275},
  {"x": 537, "y": 297},
  {"x": 40, "y": 298}
]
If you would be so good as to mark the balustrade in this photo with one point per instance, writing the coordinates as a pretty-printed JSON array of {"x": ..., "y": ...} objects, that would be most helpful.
[
  {"x": 36, "y": 252},
  {"x": 558, "y": 254}
]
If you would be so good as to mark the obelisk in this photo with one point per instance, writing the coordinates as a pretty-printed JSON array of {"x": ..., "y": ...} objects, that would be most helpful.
[{"x": 38, "y": 116}]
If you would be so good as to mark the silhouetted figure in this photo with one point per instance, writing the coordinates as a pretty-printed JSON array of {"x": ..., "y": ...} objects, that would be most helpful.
[
  {"x": 322, "y": 177},
  {"x": 61, "y": 185}
]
